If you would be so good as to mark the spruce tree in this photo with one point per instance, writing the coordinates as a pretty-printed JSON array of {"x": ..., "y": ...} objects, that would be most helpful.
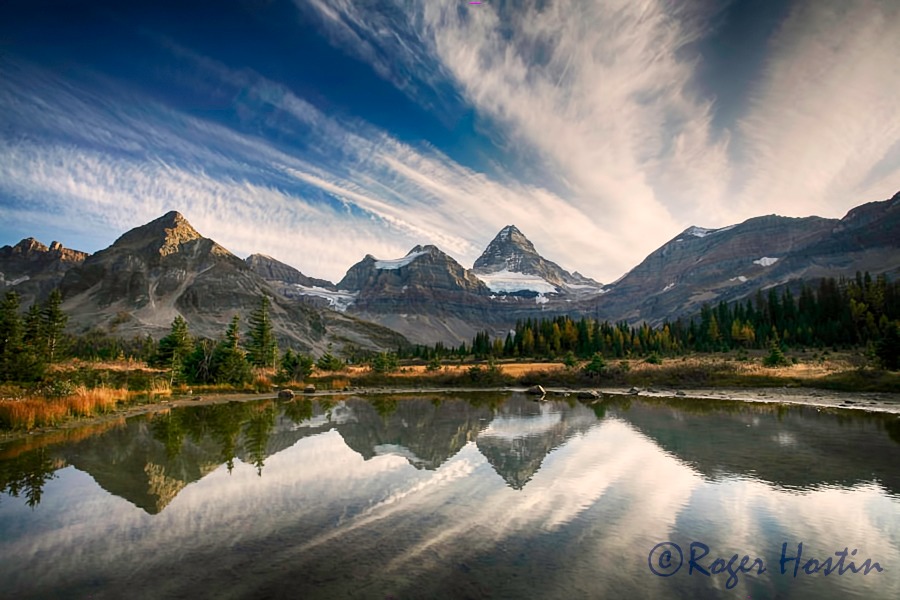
[
  {"x": 263, "y": 349},
  {"x": 10, "y": 336},
  {"x": 173, "y": 349},
  {"x": 229, "y": 363},
  {"x": 54, "y": 324}
]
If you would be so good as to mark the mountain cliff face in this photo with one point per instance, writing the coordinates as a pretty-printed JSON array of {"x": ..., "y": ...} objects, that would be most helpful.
[
  {"x": 731, "y": 263},
  {"x": 33, "y": 269},
  {"x": 510, "y": 264},
  {"x": 273, "y": 270},
  {"x": 165, "y": 268},
  {"x": 426, "y": 295}
]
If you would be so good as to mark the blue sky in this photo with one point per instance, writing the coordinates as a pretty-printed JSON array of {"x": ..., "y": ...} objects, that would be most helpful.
[{"x": 317, "y": 131}]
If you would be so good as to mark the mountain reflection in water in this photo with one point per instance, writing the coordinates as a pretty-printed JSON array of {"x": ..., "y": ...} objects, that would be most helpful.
[{"x": 468, "y": 495}]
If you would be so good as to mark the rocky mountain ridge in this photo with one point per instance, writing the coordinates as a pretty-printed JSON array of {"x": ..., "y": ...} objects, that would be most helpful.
[
  {"x": 166, "y": 267},
  {"x": 731, "y": 263},
  {"x": 511, "y": 265},
  {"x": 34, "y": 269}
]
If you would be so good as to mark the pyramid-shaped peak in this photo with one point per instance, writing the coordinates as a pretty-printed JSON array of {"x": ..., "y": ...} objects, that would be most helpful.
[
  {"x": 507, "y": 250},
  {"x": 29, "y": 245},
  {"x": 513, "y": 235},
  {"x": 164, "y": 235}
]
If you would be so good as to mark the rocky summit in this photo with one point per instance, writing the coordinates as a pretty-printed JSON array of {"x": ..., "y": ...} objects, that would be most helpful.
[
  {"x": 731, "y": 263},
  {"x": 165, "y": 268},
  {"x": 33, "y": 269},
  {"x": 426, "y": 295},
  {"x": 511, "y": 265}
]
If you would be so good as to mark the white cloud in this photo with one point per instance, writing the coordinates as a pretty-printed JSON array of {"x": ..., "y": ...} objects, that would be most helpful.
[
  {"x": 826, "y": 112},
  {"x": 386, "y": 196},
  {"x": 605, "y": 94},
  {"x": 602, "y": 94}
]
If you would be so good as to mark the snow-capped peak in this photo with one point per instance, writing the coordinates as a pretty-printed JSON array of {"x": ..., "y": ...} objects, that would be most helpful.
[
  {"x": 397, "y": 263},
  {"x": 703, "y": 231}
]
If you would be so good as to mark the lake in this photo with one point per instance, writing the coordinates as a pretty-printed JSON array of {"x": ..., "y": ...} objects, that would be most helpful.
[{"x": 488, "y": 495}]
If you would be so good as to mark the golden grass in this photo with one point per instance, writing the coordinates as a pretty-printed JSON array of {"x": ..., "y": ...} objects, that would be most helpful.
[
  {"x": 514, "y": 369},
  {"x": 128, "y": 364},
  {"x": 30, "y": 412}
]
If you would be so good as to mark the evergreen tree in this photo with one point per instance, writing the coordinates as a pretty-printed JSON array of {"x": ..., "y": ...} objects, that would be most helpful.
[
  {"x": 173, "y": 349},
  {"x": 54, "y": 323},
  {"x": 33, "y": 335},
  {"x": 229, "y": 363},
  {"x": 596, "y": 367},
  {"x": 330, "y": 362},
  {"x": 263, "y": 349},
  {"x": 198, "y": 365},
  {"x": 776, "y": 357},
  {"x": 295, "y": 367},
  {"x": 10, "y": 336}
]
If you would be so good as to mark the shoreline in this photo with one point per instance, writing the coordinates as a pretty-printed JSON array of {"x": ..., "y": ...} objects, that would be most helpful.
[{"x": 873, "y": 402}]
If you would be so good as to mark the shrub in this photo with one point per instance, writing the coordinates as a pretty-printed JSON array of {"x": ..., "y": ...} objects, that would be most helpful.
[
  {"x": 653, "y": 359},
  {"x": 596, "y": 366},
  {"x": 329, "y": 362},
  {"x": 776, "y": 357}
]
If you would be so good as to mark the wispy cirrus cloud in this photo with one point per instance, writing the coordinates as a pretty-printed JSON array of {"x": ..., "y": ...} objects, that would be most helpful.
[
  {"x": 347, "y": 190},
  {"x": 606, "y": 95},
  {"x": 824, "y": 126},
  {"x": 596, "y": 104}
]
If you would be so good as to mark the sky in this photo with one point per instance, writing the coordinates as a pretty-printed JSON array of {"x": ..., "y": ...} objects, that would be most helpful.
[{"x": 319, "y": 131}]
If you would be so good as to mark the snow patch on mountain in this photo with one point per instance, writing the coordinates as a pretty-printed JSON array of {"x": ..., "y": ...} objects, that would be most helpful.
[
  {"x": 740, "y": 278},
  {"x": 668, "y": 287},
  {"x": 703, "y": 231},
  {"x": 399, "y": 262},
  {"x": 338, "y": 300},
  {"x": 507, "y": 281},
  {"x": 765, "y": 261}
]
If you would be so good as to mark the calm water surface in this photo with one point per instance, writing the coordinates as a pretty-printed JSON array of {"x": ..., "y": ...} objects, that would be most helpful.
[{"x": 457, "y": 496}]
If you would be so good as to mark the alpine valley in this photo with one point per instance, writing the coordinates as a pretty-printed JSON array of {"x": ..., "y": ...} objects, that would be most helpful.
[{"x": 166, "y": 268}]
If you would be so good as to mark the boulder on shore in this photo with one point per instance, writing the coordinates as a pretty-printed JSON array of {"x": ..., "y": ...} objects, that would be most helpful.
[
  {"x": 588, "y": 395},
  {"x": 536, "y": 390},
  {"x": 285, "y": 394},
  {"x": 309, "y": 389}
]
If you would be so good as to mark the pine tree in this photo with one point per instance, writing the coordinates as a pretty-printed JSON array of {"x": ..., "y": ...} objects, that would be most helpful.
[
  {"x": 10, "y": 336},
  {"x": 54, "y": 323},
  {"x": 263, "y": 349},
  {"x": 229, "y": 363},
  {"x": 33, "y": 335},
  {"x": 295, "y": 367},
  {"x": 174, "y": 348}
]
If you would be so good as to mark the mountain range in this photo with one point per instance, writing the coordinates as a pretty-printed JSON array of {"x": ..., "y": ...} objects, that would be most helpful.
[{"x": 166, "y": 268}]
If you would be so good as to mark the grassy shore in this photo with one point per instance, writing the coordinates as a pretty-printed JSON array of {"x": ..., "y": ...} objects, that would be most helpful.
[{"x": 77, "y": 390}]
